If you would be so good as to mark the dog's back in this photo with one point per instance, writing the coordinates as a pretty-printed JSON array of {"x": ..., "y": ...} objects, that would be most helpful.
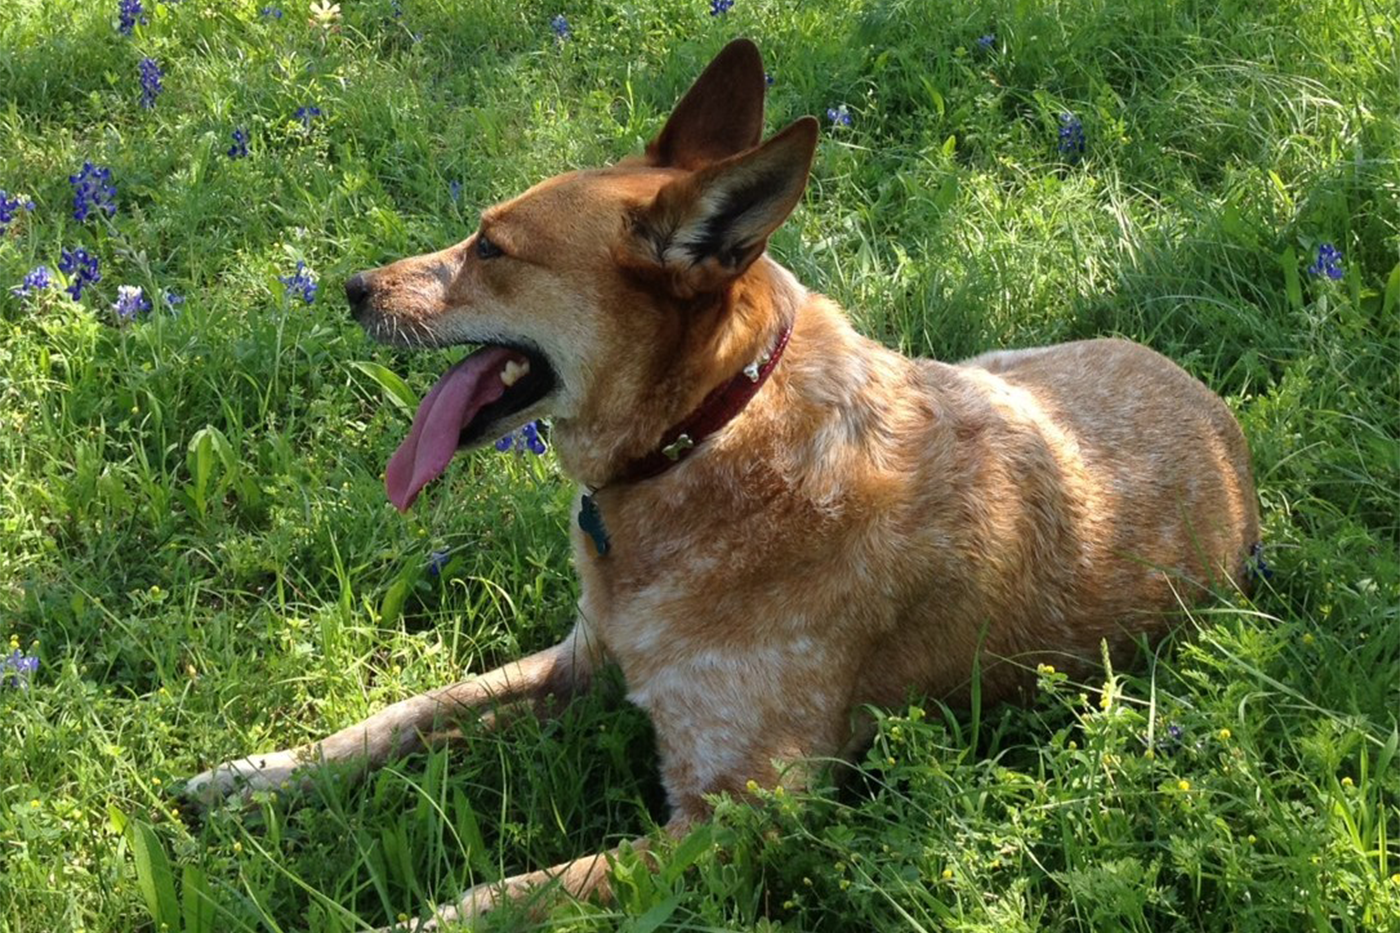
[{"x": 1072, "y": 494}]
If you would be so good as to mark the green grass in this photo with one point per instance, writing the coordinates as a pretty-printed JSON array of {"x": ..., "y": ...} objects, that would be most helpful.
[{"x": 182, "y": 621}]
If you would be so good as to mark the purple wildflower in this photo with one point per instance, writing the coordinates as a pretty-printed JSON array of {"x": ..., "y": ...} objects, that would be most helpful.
[
  {"x": 92, "y": 187},
  {"x": 173, "y": 301},
  {"x": 239, "y": 149},
  {"x": 1329, "y": 262},
  {"x": 300, "y": 283},
  {"x": 129, "y": 13},
  {"x": 988, "y": 42},
  {"x": 527, "y": 438},
  {"x": 131, "y": 301},
  {"x": 839, "y": 116},
  {"x": 1255, "y": 567},
  {"x": 307, "y": 113},
  {"x": 454, "y": 188},
  {"x": 151, "y": 74},
  {"x": 438, "y": 560},
  {"x": 37, "y": 280},
  {"x": 10, "y": 206},
  {"x": 1071, "y": 135},
  {"x": 83, "y": 267},
  {"x": 21, "y": 667},
  {"x": 270, "y": 12},
  {"x": 720, "y": 7},
  {"x": 560, "y": 25}
]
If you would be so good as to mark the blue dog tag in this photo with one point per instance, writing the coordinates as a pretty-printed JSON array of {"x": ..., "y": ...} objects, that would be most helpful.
[{"x": 590, "y": 522}]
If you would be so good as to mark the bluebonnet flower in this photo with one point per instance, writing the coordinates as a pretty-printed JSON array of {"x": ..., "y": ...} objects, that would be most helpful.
[
  {"x": 36, "y": 281},
  {"x": 20, "y": 665},
  {"x": 438, "y": 560},
  {"x": 300, "y": 283},
  {"x": 985, "y": 43},
  {"x": 769, "y": 79},
  {"x": 454, "y": 188},
  {"x": 718, "y": 7},
  {"x": 1071, "y": 135},
  {"x": 307, "y": 113},
  {"x": 92, "y": 187},
  {"x": 1329, "y": 262},
  {"x": 173, "y": 301},
  {"x": 129, "y": 13},
  {"x": 131, "y": 301},
  {"x": 839, "y": 116},
  {"x": 270, "y": 12},
  {"x": 83, "y": 267},
  {"x": 10, "y": 206},
  {"x": 1169, "y": 740},
  {"x": 560, "y": 25},
  {"x": 527, "y": 438},
  {"x": 151, "y": 74},
  {"x": 239, "y": 149},
  {"x": 1255, "y": 567}
]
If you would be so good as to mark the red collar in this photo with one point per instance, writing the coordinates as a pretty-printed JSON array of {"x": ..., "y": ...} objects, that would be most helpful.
[{"x": 720, "y": 407}]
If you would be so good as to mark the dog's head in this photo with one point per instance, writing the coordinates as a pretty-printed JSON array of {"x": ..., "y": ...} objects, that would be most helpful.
[{"x": 597, "y": 295}]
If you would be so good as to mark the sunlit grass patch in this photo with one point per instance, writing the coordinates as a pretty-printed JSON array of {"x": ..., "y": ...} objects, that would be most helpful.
[{"x": 196, "y": 550}]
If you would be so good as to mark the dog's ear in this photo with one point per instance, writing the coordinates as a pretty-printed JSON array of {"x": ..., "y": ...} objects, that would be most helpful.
[
  {"x": 704, "y": 229},
  {"x": 721, "y": 114}
]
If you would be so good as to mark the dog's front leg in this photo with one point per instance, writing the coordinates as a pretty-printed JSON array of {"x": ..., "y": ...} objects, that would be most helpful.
[
  {"x": 545, "y": 679},
  {"x": 580, "y": 878}
]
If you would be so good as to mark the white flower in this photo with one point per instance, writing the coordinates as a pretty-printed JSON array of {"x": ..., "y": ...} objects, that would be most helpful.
[{"x": 324, "y": 13}]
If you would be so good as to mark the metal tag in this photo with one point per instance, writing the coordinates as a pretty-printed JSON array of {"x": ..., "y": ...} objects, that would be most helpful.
[
  {"x": 673, "y": 450},
  {"x": 590, "y": 522}
]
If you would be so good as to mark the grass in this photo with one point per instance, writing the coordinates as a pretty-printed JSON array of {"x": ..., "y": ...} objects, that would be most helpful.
[{"x": 194, "y": 538}]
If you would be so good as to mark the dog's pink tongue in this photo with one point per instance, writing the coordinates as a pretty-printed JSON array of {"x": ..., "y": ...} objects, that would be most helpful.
[{"x": 448, "y": 407}]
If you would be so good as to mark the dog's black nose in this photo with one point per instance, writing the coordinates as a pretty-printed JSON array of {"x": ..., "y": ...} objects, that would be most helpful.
[{"x": 357, "y": 293}]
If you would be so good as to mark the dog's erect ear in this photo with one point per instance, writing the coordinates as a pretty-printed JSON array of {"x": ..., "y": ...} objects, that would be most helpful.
[
  {"x": 706, "y": 228},
  {"x": 721, "y": 114}
]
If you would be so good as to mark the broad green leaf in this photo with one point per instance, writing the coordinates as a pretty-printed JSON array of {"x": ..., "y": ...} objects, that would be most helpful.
[
  {"x": 1291, "y": 283},
  {"x": 654, "y": 917},
  {"x": 392, "y": 606},
  {"x": 199, "y": 900},
  {"x": 395, "y": 388},
  {"x": 685, "y": 854},
  {"x": 1391, "y": 301},
  {"x": 153, "y": 875},
  {"x": 934, "y": 97}
]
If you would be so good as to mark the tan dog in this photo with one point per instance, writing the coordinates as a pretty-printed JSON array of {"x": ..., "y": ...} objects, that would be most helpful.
[{"x": 785, "y": 520}]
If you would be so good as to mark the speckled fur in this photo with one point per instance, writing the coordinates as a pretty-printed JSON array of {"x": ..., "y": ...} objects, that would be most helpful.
[{"x": 863, "y": 529}]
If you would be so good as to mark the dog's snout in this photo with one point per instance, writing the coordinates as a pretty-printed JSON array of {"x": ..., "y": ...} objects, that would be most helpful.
[{"x": 357, "y": 293}]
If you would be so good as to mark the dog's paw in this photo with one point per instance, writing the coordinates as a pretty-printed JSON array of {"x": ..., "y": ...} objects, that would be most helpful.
[
  {"x": 477, "y": 901},
  {"x": 243, "y": 778}
]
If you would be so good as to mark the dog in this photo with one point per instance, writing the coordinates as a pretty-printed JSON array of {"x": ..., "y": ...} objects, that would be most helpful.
[{"x": 780, "y": 521}]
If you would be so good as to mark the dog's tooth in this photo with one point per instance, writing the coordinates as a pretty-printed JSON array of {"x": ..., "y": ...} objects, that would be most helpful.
[{"x": 513, "y": 371}]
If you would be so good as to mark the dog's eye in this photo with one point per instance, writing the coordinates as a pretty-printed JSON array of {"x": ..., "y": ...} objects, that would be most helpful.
[{"x": 485, "y": 249}]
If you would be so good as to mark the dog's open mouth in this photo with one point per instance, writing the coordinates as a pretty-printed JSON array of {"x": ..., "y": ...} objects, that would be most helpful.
[{"x": 478, "y": 393}]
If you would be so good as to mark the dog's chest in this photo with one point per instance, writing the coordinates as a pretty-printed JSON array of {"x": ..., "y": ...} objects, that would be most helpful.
[{"x": 681, "y": 569}]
